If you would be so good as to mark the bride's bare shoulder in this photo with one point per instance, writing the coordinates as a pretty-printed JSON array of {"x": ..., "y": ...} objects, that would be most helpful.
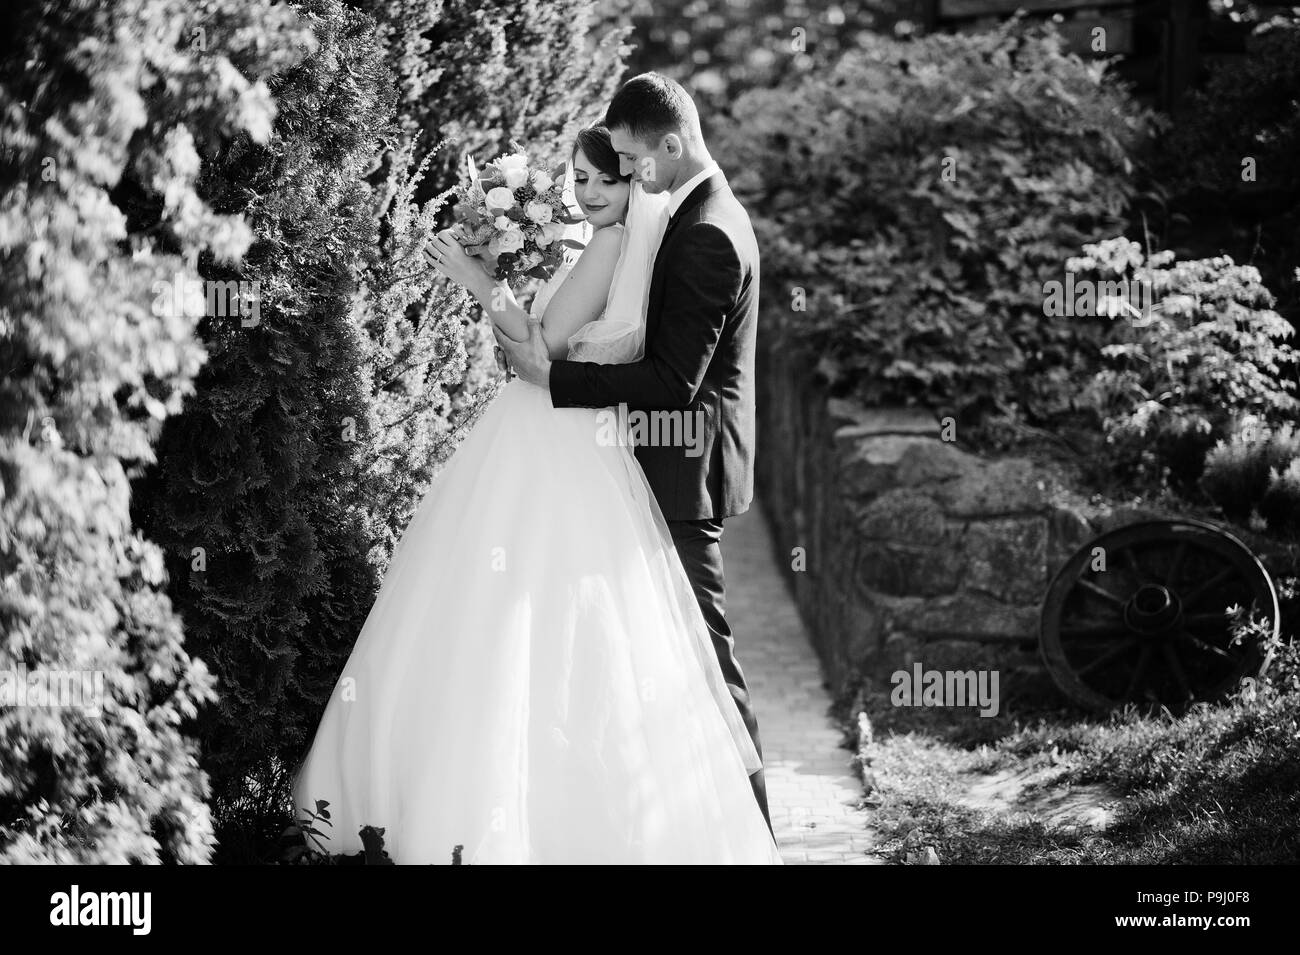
[{"x": 604, "y": 239}]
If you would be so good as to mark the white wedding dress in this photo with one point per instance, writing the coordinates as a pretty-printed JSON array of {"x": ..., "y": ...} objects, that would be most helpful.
[{"x": 535, "y": 681}]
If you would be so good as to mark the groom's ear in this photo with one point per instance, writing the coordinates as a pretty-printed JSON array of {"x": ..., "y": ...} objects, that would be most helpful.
[{"x": 673, "y": 144}]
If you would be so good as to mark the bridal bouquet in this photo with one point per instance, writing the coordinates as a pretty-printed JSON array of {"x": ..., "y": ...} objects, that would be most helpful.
[{"x": 512, "y": 216}]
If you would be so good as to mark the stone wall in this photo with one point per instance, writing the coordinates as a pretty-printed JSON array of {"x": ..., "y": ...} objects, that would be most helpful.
[{"x": 900, "y": 546}]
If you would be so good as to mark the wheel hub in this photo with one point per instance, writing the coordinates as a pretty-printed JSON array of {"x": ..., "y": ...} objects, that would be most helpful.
[{"x": 1154, "y": 610}]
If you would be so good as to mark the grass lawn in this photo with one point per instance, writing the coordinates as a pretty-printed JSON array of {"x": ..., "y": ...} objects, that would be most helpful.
[{"x": 1219, "y": 784}]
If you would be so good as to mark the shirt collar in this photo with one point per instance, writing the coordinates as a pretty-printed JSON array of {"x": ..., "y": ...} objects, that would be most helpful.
[{"x": 678, "y": 195}]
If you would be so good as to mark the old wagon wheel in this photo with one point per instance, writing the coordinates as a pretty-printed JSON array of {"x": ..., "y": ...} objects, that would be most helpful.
[{"x": 1139, "y": 614}]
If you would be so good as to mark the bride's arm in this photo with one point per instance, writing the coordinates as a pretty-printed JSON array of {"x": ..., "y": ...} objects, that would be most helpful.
[
  {"x": 575, "y": 303},
  {"x": 499, "y": 303}
]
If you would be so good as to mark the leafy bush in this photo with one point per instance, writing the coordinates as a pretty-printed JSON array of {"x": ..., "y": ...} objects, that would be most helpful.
[
  {"x": 919, "y": 195},
  {"x": 483, "y": 72},
  {"x": 258, "y": 496},
  {"x": 1238, "y": 469},
  {"x": 104, "y": 108},
  {"x": 1280, "y": 506},
  {"x": 1207, "y": 356},
  {"x": 304, "y": 842},
  {"x": 719, "y": 50},
  {"x": 1224, "y": 173}
]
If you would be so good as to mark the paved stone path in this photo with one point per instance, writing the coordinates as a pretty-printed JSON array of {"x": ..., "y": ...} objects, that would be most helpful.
[{"x": 811, "y": 789}]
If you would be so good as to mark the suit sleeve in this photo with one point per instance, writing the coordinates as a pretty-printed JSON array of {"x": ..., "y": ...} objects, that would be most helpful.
[{"x": 703, "y": 282}]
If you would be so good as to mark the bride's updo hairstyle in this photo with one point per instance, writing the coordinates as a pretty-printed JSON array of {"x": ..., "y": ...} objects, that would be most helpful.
[{"x": 595, "y": 145}]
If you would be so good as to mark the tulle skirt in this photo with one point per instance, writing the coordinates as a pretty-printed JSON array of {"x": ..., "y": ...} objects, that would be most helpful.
[{"x": 535, "y": 682}]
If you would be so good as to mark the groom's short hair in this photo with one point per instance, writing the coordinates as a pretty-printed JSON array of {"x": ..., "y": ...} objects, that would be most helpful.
[{"x": 650, "y": 105}]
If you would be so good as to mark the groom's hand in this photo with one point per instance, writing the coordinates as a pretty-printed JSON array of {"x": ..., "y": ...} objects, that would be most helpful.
[{"x": 530, "y": 358}]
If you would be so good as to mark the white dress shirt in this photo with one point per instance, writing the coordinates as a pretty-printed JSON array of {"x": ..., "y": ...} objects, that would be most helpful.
[{"x": 678, "y": 195}]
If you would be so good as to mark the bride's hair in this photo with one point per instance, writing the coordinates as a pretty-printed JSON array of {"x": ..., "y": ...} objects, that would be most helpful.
[{"x": 595, "y": 145}]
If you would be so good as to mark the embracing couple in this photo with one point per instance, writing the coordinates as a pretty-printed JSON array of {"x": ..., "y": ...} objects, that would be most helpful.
[{"x": 547, "y": 675}]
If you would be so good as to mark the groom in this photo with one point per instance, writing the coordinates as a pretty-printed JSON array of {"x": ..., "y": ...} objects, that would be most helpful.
[{"x": 699, "y": 349}]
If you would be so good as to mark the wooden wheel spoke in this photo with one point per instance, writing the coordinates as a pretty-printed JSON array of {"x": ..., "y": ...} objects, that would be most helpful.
[
  {"x": 1143, "y": 658},
  {"x": 1207, "y": 647},
  {"x": 1176, "y": 567},
  {"x": 1107, "y": 657},
  {"x": 1095, "y": 628},
  {"x": 1130, "y": 561},
  {"x": 1097, "y": 591},
  {"x": 1176, "y": 667},
  {"x": 1189, "y": 600},
  {"x": 1205, "y": 619}
]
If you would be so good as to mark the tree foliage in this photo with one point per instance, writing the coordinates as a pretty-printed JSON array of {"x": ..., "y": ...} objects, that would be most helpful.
[
  {"x": 912, "y": 202},
  {"x": 104, "y": 106}
]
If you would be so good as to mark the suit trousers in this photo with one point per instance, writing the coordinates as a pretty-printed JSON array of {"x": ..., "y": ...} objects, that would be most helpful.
[{"x": 698, "y": 545}]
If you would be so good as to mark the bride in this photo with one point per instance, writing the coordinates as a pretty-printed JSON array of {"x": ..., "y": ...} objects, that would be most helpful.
[{"x": 535, "y": 682}]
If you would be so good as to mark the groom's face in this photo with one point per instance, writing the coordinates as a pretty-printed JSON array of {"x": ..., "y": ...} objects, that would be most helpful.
[{"x": 652, "y": 164}]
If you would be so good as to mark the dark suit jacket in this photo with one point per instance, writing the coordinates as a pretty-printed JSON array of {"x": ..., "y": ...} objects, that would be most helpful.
[{"x": 701, "y": 323}]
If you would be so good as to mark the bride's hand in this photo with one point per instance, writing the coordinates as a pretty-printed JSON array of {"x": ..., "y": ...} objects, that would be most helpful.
[{"x": 450, "y": 259}]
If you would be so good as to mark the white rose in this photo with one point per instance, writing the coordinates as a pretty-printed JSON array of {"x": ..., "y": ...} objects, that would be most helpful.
[
  {"x": 542, "y": 181},
  {"x": 548, "y": 234},
  {"x": 503, "y": 222},
  {"x": 515, "y": 169},
  {"x": 512, "y": 240},
  {"x": 539, "y": 212},
  {"x": 500, "y": 198}
]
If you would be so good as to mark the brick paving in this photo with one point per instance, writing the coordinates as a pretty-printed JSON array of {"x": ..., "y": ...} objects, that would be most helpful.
[{"x": 812, "y": 791}]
